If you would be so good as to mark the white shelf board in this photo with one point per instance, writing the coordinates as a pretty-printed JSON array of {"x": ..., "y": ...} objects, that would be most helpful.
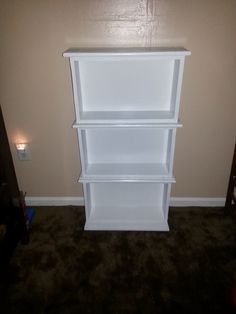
[
  {"x": 125, "y": 124},
  {"x": 126, "y": 172},
  {"x": 99, "y": 51},
  {"x": 126, "y": 179},
  {"x": 94, "y": 225},
  {"x": 126, "y": 218},
  {"x": 124, "y": 117}
]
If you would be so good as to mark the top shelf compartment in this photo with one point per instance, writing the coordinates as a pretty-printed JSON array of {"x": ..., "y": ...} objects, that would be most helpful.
[{"x": 126, "y": 86}]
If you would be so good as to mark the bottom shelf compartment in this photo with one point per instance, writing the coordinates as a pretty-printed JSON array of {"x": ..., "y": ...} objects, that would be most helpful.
[{"x": 127, "y": 206}]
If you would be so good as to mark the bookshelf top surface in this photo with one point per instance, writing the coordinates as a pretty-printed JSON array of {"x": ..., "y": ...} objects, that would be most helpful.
[{"x": 99, "y": 51}]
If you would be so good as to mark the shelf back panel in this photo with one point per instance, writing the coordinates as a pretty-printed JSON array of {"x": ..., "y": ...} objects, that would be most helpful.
[
  {"x": 136, "y": 145},
  {"x": 126, "y": 85},
  {"x": 126, "y": 195}
]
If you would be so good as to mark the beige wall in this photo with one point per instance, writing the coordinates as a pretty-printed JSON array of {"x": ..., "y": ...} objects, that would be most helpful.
[{"x": 35, "y": 87}]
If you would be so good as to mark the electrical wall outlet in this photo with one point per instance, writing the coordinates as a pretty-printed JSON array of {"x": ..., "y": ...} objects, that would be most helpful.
[{"x": 23, "y": 152}]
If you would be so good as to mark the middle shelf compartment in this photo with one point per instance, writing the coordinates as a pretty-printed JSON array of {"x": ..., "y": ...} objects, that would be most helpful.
[{"x": 127, "y": 154}]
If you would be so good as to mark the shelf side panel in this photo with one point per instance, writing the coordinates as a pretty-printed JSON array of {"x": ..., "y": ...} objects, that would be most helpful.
[
  {"x": 76, "y": 87},
  {"x": 177, "y": 86}
]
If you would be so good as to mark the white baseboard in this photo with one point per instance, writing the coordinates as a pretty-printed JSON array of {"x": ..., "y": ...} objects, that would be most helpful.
[
  {"x": 197, "y": 201},
  {"x": 54, "y": 200},
  {"x": 79, "y": 201}
]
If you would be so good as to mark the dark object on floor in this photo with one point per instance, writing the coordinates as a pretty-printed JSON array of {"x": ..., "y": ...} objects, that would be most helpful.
[
  {"x": 11, "y": 211},
  {"x": 230, "y": 203},
  {"x": 191, "y": 269},
  {"x": 30, "y": 215}
]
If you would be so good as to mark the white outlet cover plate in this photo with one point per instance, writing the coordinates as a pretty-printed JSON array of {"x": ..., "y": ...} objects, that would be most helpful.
[{"x": 24, "y": 154}]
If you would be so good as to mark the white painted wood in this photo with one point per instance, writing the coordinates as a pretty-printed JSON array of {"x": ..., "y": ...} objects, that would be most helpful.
[
  {"x": 166, "y": 51},
  {"x": 126, "y": 172},
  {"x": 170, "y": 151},
  {"x": 176, "y": 88},
  {"x": 126, "y": 153},
  {"x": 126, "y": 85},
  {"x": 76, "y": 87},
  {"x": 127, "y": 195},
  {"x": 127, "y": 106},
  {"x": 135, "y": 124},
  {"x": 145, "y": 225},
  {"x": 83, "y": 151},
  {"x": 111, "y": 86},
  {"x": 166, "y": 200},
  {"x": 125, "y": 117},
  {"x": 126, "y": 204},
  {"x": 87, "y": 203},
  {"x": 85, "y": 179}
]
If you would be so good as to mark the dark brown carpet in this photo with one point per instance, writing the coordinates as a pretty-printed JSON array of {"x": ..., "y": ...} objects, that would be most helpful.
[{"x": 64, "y": 269}]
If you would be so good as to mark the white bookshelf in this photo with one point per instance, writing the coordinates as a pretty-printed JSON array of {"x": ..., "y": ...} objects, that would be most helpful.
[{"x": 127, "y": 105}]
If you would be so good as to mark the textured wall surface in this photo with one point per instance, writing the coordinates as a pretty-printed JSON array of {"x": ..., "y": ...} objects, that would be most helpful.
[{"x": 35, "y": 86}]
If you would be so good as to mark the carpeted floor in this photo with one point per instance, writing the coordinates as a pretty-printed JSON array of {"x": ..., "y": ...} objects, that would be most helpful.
[{"x": 191, "y": 269}]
